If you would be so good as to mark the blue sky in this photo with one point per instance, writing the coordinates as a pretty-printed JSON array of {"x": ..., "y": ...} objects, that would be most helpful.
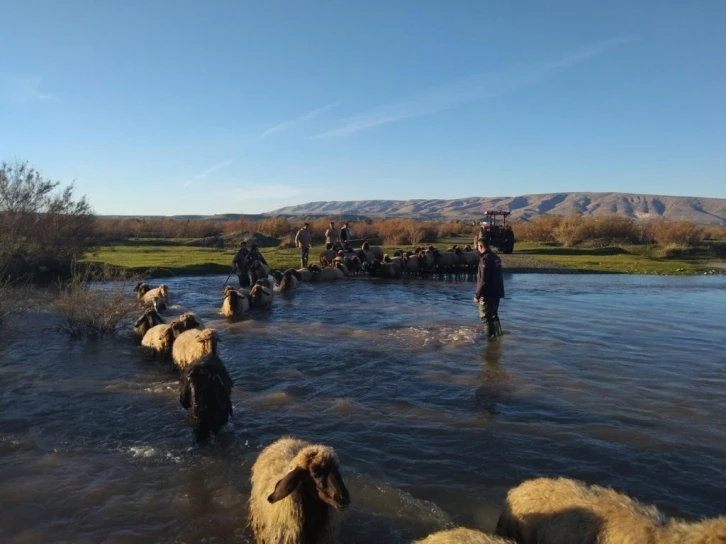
[{"x": 171, "y": 107}]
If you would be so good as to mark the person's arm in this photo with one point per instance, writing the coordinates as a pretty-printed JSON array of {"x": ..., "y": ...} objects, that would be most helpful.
[
  {"x": 481, "y": 282},
  {"x": 297, "y": 239}
]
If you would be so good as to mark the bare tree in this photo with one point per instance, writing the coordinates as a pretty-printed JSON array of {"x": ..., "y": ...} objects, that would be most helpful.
[{"x": 39, "y": 225}]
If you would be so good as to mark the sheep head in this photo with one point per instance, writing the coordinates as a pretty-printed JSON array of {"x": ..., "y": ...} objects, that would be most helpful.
[
  {"x": 163, "y": 290},
  {"x": 141, "y": 289},
  {"x": 228, "y": 289},
  {"x": 386, "y": 258},
  {"x": 317, "y": 469},
  {"x": 189, "y": 321},
  {"x": 209, "y": 337},
  {"x": 366, "y": 246}
]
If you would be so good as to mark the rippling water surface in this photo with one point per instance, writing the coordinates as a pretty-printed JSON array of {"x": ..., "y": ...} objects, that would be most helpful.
[{"x": 617, "y": 380}]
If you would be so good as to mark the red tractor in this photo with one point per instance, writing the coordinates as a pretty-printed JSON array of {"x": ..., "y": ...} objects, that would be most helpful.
[{"x": 501, "y": 235}]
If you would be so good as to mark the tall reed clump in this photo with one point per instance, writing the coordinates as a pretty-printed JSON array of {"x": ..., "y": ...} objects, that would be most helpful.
[{"x": 93, "y": 302}]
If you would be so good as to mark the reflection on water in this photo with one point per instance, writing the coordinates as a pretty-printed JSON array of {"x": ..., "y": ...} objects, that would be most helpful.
[{"x": 616, "y": 380}]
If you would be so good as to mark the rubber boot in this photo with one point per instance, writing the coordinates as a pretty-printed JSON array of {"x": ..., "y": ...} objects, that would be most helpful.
[{"x": 496, "y": 328}]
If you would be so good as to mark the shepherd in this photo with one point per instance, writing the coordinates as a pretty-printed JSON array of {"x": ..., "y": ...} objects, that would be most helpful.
[{"x": 489, "y": 288}]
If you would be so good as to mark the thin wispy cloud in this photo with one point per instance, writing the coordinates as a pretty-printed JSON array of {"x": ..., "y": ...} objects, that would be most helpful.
[
  {"x": 27, "y": 89},
  {"x": 263, "y": 191},
  {"x": 209, "y": 171},
  {"x": 466, "y": 90},
  {"x": 282, "y": 127}
]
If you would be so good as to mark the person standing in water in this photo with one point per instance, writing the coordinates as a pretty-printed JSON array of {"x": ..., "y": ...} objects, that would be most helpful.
[
  {"x": 489, "y": 288},
  {"x": 345, "y": 236},
  {"x": 239, "y": 266}
]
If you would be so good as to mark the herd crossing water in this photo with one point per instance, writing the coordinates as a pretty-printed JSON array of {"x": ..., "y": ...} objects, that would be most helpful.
[{"x": 617, "y": 380}]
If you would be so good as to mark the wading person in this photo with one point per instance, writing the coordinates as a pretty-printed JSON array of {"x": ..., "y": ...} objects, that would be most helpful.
[
  {"x": 254, "y": 256},
  {"x": 239, "y": 266},
  {"x": 345, "y": 236},
  {"x": 303, "y": 240},
  {"x": 331, "y": 235},
  {"x": 489, "y": 288}
]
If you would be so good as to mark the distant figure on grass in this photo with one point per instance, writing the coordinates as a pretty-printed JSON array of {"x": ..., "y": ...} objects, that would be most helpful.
[
  {"x": 303, "y": 240},
  {"x": 345, "y": 236},
  {"x": 238, "y": 264},
  {"x": 489, "y": 288},
  {"x": 331, "y": 235},
  {"x": 252, "y": 271}
]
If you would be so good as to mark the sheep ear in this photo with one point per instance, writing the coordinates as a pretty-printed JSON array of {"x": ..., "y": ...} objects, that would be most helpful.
[{"x": 287, "y": 485}]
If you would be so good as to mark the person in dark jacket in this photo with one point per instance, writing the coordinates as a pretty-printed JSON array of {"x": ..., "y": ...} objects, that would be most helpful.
[
  {"x": 345, "y": 236},
  {"x": 239, "y": 266},
  {"x": 489, "y": 289},
  {"x": 254, "y": 256}
]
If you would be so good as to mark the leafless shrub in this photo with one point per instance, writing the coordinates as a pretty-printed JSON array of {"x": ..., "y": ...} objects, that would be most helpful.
[
  {"x": 679, "y": 233},
  {"x": 95, "y": 310},
  {"x": 39, "y": 227}
]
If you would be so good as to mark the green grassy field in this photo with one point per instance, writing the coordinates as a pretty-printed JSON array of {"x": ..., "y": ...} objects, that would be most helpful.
[{"x": 165, "y": 257}]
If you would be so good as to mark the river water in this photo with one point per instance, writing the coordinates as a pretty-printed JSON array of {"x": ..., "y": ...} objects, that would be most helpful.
[{"x": 617, "y": 380}]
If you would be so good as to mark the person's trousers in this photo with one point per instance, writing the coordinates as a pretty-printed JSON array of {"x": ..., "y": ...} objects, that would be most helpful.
[
  {"x": 489, "y": 314},
  {"x": 304, "y": 254},
  {"x": 244, "y": 279}
]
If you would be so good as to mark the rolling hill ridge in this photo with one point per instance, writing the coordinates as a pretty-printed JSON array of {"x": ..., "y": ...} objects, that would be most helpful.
[{"x": 698, "y": 210}]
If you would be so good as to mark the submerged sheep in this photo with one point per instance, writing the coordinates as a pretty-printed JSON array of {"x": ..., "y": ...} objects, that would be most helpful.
[
  {"x": 557, "y": 510},
  {"x": 461, "y": 535},
  {"x": 295, "y": 486},
  {"x": 161, "y": 338},
  {"x": 235, "y": 302}
]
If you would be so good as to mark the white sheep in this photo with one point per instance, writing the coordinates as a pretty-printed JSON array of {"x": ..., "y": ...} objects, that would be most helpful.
[
  {"x": 235, "y": 302},
  {"x": 461, "y": 535},
  {"x": 159, "y": 294},
  {"x": 294, "y": 485},
  {"x": 192, "y": 345},
  {"x": 161, "y": 338},
  {"x": 557, "y": 510}
]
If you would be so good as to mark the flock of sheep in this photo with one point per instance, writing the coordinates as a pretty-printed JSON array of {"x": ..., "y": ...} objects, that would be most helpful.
[
  {"x": 298, "y": 490},
  {"x": 418, "y": 262}
]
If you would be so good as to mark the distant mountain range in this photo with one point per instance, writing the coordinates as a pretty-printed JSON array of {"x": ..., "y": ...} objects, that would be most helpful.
[
  {"x": 703, "y": 211},
  {"x": 699, "y": 210}
]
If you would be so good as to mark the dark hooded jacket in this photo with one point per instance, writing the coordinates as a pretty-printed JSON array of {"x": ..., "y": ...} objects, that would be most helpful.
[{"x": 489, "y": 281}]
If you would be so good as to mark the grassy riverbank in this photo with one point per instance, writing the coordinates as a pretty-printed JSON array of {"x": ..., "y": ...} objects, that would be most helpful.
[{"x": 173, "y": 257}]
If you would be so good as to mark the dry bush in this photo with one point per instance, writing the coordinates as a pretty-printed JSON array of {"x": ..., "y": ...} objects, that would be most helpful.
[
  {"x": 714, "y": 233},
  {"x": 576, "y": 229},
  {"x": 679, "y": 233},
  {"x": 95, "y": 310},
  {"x": 541, "y": 229},
  {"x": 39, "y": 226},
  {"x": 113, "y": 229},
  {"x": 447, "y": 229}
]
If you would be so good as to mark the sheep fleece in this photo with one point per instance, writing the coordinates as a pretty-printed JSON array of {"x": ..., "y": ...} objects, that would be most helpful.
[{"x": 280, "y": 523}]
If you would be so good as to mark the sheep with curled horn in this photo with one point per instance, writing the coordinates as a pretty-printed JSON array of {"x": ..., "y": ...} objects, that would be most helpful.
[
  {"x": 205, "y": 392},
  {"x": 192, "y": 345},
  {"x": 461, "y": 535},
  {"x": 557, "y": 510},
  {"x": 150, "y": 318},
  {"x": 297, "y": 488},
  {"x": 161, "y": 338},
  {"x": 235, "y": 303}
]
